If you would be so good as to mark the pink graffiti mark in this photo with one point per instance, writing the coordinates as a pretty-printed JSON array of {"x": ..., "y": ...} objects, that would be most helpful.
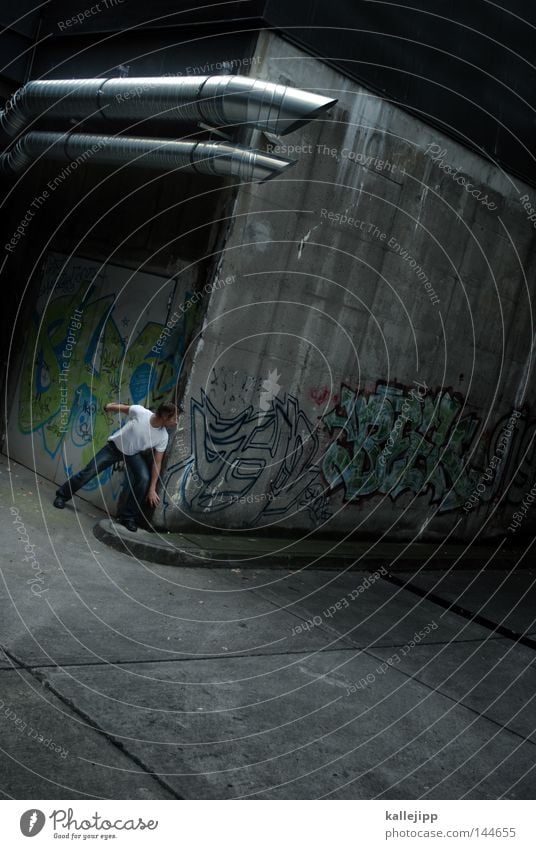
[{"x": 321, "y": 395}]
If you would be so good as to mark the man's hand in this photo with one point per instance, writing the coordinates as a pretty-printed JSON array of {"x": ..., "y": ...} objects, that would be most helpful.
[{"x": 153, "y": 498}]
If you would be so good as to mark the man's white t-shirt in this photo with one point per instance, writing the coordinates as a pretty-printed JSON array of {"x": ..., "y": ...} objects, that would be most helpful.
[{"x": 138, "y": 434}]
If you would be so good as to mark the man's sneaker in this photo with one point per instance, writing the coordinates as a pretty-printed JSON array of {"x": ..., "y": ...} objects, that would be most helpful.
[
  {"x": 59, "y": 502},
  {"x": 129, "y": 524}
]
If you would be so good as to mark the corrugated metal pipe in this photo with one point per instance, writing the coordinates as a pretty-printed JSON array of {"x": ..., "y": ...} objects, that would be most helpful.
[
  {"x": 217, "y": 158},
  {"x": 215, "y": 100}
]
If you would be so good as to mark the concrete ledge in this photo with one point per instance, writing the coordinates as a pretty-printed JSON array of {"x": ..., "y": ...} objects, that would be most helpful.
[{"x": 145, "y": 546}]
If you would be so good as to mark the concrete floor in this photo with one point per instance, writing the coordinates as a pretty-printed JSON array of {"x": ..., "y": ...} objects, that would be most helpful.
[{"x": 128, "y": 679}]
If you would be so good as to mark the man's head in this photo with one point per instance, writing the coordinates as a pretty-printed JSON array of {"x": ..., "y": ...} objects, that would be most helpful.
[{"x": 168, "y": 413}]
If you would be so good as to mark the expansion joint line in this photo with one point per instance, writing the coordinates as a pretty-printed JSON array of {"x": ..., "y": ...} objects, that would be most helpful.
[{"x": 477, "y": 618}]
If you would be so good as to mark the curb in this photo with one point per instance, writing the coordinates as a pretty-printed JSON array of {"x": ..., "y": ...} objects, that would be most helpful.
[{"x": 182, "y": 551}]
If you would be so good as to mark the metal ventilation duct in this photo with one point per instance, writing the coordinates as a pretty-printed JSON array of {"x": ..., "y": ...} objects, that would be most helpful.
[
  {"x": 215, "y": 100},
  {"x": 216, "y": 158}
]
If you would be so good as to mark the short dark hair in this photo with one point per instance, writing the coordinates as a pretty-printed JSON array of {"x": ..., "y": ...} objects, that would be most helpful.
[{"x": 168, "y": 409}]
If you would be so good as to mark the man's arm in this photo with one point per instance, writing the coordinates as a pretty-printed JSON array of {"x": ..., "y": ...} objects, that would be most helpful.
[
  {"x": 116, "y": 408},
  {"x": 152, "y": 497}
]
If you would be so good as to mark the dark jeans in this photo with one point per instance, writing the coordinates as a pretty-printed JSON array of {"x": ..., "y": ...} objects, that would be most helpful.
[{"x": 136, "y": 471}]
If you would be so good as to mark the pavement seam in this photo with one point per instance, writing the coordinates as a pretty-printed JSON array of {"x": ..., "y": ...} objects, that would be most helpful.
[
  {"x": 460, "y": 702},
  {"x": 42, "y": 679},
  {"x": 94, "y": 664}
]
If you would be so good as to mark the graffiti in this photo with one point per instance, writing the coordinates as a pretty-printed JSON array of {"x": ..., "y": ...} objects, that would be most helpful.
[
  {"x": 395, "y": 441},
  {"x": 322, "y": 395},
  {"x": 65, "y": 278},
  {"x": 315, "y": 502},
  {"x": 247, "y": 467},
  {"x": 264, "y": 458}
]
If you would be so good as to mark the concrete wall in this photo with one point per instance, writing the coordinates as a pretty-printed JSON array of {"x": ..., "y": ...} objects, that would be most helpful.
[{"x": 366, "y": 360}]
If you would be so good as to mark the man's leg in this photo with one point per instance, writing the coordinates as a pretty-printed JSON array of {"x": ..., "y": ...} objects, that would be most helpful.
[
  {"x": 138, "y": 479},
  {"x": 104, "y": 458}
]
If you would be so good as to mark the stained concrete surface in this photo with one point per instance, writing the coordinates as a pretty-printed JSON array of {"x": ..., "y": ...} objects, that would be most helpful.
[
  {"x": 506, "y": 597},
  {"x": 238, "y": 682}
]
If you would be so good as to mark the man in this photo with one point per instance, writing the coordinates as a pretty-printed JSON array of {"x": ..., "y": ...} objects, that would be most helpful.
[{"x": 144, "y": 430}]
